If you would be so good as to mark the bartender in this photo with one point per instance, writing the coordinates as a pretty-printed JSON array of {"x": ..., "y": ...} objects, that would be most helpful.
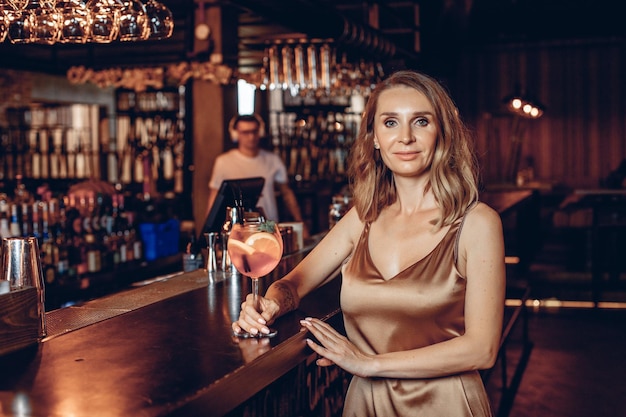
[{"x": 247, "y": 160}]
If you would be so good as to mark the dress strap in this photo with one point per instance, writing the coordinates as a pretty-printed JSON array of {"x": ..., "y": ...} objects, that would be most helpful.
[{"x": 458, "y": 232}]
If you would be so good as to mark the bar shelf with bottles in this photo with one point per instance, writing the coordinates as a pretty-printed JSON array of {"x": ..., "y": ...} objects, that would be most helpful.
[
  {"x": 140, "y": 148},
  {"x": 74, "y": 163},
  {"x": 91, "y": 243},
  {"x": 147, "y": 154},
  {"x": 52, "y": 143},
  {"x": 313, "y": 136}
]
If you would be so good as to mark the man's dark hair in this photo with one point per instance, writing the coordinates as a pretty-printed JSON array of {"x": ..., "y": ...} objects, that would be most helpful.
[{"x": 246, "y": 118}]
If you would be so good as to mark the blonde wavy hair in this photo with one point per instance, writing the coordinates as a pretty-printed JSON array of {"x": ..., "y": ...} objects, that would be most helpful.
[{"x": 454, "y": 169}]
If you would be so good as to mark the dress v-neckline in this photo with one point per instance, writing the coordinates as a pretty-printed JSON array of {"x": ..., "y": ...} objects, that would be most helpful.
[{"x": 368, "y": 254}]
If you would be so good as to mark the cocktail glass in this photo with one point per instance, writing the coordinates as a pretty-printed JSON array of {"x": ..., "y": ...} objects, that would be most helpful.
[{"x": 255, "y": 249}]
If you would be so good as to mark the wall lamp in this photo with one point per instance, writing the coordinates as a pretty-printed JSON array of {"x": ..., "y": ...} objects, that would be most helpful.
[{"x": 524, "y": 106}]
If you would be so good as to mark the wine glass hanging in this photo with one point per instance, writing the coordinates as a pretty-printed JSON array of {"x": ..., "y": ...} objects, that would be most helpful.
[
  {"x": 316, "y": 69},
  {"x": 82, "y": 21},
  {"x": 46, "y": 23},
  {"x": 104, "y": 22},
  {"x": 134, "y": 21},
  {"x": 3, "y": 24},
  {"x": 75, "y": 21},
  {"x": 160, "y": 20}
]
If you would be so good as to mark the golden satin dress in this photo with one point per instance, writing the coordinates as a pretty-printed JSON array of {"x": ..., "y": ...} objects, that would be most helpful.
[{"x": 420, "y": 306}]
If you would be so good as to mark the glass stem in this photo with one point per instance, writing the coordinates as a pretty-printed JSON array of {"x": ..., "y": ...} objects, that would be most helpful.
[{"x": 255, "y": 295}]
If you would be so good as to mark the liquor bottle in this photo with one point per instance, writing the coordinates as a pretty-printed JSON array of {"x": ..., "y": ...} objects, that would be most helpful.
[
  {"x": 106, "y": 219},
  {"x": 33, "y": 150},
  {"x": 73, "y": 233},
  {"x": 53, "y": 214},
  {"x": 58, "y": 160},
  {"x": 4, "y": 143},
  {"x": 80, "y": 247},
  {"x": 49, "y": 259},
  {"x": 87, "y": 216},
  {"x": 94, "y": 253},
  {"x": 44, "y": 151},
  {"x": 122, "y": 247},
  {"x": 114, "y": 250},
  {"x": 4, "y": 219},
  {"x": 128, "y": 247},
  {"x": 107, "y": 254},
  {"x": 21, "y": 193},
  {"x": 14, "y": 224},
  {"x": 137, "y": 245},
  {"x": 122, "y": 218},
  {"x": 71, "y": 146},
  {"x": 112, "y": 164},
  {"x": 26, "y": 221},
  {"x": 36, "y": 221},
  {"x": 81, "y": 161},
  {"x": 45, "y": 220},
  {"x": 96, "y": 214},
  {"x": 65, "y": 271},
  {"x": 19, "y": 155}
]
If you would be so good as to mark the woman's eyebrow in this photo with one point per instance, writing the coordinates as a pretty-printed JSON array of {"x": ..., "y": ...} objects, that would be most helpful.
[{"x": 416, "y": 113}]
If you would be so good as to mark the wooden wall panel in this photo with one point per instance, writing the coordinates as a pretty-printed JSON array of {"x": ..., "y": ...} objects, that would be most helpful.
[{"x": 581, "y": 137}]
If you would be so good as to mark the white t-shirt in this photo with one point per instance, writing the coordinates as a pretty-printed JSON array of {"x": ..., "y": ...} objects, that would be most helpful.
[{"x": 234, "y": 165}]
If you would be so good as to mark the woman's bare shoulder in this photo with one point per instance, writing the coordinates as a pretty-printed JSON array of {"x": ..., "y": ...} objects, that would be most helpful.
[
  {"x": 481, "y": 216},
  {"x": 350, "y": 226}
]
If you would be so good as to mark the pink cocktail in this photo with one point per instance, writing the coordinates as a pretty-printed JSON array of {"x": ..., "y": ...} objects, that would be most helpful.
[{"x": 255, "y": 248}]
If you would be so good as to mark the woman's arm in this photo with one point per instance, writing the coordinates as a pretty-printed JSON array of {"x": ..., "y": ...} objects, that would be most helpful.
[
  {"x": 481, "y": 260},
  {"x": 284, "y": 295}
]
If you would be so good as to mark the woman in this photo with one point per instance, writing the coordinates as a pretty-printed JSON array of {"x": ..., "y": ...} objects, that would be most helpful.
[{"x": 423, "y": 274}]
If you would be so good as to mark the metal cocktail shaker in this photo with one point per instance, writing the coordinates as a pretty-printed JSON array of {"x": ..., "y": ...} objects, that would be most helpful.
[{"x": 21, "y": 266}]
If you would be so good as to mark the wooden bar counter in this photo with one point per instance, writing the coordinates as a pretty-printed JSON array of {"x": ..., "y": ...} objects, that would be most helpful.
[{"x": 164, "y": 348}]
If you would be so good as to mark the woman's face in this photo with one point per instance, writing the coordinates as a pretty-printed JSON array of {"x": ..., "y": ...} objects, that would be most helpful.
[{"x": 405, "y": 130}]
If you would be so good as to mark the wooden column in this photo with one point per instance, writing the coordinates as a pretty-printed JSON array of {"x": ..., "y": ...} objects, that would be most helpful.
[{"x": 213, "y": 104}]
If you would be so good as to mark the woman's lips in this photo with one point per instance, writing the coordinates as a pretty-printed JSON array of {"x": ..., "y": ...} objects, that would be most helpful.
[{"x": 407, "y": 155}]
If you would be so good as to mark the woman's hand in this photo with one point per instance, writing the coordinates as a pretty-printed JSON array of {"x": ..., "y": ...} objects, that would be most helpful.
[
  {"x": 336, "y": 348},
  {"x": 252, "y": 321}
]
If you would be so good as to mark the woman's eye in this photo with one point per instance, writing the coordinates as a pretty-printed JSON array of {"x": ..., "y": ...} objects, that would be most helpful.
[
  {"x": 421, "y": 121},
  {"x": 390, "y": 123}
]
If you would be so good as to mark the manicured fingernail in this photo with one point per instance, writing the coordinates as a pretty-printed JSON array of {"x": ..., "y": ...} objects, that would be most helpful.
[
  {"x": 261, "y": 320},
  {"x": 305, "y": 323}
]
